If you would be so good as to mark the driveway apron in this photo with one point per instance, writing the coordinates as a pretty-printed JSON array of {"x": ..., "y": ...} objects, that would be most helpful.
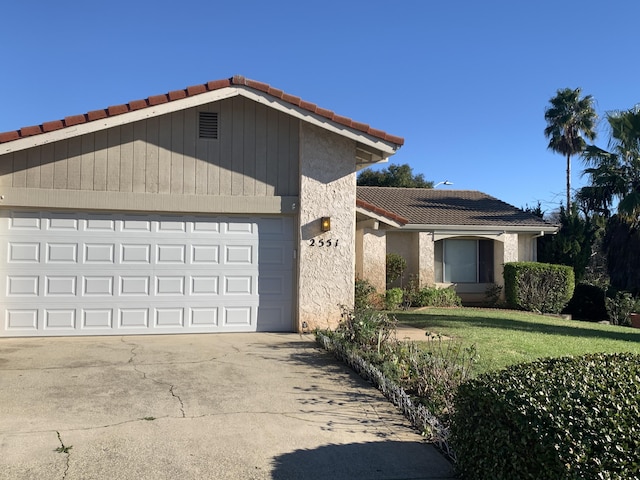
[{"x": 208, "y": 406}]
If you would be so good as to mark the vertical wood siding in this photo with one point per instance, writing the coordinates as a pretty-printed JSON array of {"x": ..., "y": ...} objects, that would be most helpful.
[{"x": 256, "y": 154}]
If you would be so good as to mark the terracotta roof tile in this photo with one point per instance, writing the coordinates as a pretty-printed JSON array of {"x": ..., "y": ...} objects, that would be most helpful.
[
  {"x": 117, "y": 110},
  {"x": 191, "y": 91},
  {"x": 428, "y": 206},
  {"x": 50, "y": 126},
  {"x": 138, "y": 104},
  {"x": 29, "y": 131},
  {"x": 9, "y": 136},
  {"x": 74, "y": 120},
  {"x": 96, "y": 115},
  {"x": 158, "y": 99},
  {"x": 196, "y": 90},
  {"x": 177, "y": 95}
]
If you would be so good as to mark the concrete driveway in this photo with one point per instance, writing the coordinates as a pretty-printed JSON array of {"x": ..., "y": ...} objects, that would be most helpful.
[{"x": 222, "y": 406}]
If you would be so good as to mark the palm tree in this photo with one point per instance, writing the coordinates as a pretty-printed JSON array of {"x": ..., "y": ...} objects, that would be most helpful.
[
  {"x": 615, "y": 178},
  {"x": 569, "y": 117},
  {"x": 615, "y": 174}
]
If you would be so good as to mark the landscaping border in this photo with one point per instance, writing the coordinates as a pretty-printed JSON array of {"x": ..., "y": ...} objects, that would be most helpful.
[{"x": 419, "y": 416}]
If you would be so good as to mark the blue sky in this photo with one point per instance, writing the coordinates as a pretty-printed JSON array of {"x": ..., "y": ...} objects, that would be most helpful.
[{"x": 464, "y": 82}]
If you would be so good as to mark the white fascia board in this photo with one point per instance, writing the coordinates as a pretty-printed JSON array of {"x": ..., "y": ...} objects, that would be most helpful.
[
  {"x": 481, "y": 229},
  {"x": 386, "y": 148},
  {"x": 379, "y": 218},
  {"x": 117, "y": 120}
]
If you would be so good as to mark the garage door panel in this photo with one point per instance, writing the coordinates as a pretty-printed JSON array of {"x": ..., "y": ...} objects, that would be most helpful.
[
  {"x": 24, "y": 252},
  {"x": 21, "y": 320},
  {"x": 60, "y": 319},
  {"x": 113, "y": 274},
  {"x": 23, "y": 286}
]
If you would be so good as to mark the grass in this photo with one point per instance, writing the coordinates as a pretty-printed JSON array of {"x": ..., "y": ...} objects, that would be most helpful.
[{"x": 507, "y": 337}]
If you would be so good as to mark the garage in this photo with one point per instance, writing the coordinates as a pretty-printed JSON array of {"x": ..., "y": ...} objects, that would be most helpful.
[
  {"x": 115, "y": 274},
  {"x": 221, "y": 207}
]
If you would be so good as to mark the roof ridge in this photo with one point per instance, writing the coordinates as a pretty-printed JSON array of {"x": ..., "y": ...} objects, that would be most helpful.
[{"x": 236, "y": 80}]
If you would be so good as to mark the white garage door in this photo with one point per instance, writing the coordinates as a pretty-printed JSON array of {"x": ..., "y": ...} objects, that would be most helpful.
[{"x": 116, "y": 274}]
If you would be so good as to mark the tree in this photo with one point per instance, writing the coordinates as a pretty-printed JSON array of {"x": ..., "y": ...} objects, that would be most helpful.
[
  {"x": 393, "y": 176},
  {"x": 615, "y": 179},
  {"x": 569, "y": 117},
  {"x": 615, "y": 174},
  {"x": 572, "y": 245}
]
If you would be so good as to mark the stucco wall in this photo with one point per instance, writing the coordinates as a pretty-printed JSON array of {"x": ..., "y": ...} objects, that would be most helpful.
[
  {"x": 371, "y": 248},
  {"x": 426, "y": 259},
  {"x": 327, "y": 188},
  {"x": 527, "y": 248},
  {"x": 405, "y": 244}
]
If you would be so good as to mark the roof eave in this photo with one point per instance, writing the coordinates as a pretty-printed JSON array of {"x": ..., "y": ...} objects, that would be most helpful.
[
  {"x": 483, "y": 229},
  {"x": 370, "y": 149}
]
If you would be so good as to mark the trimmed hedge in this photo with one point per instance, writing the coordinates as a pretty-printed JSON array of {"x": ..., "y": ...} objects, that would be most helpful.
[
  {"x": 564, "y": 418},
  {"x": 538, "y": 287}
]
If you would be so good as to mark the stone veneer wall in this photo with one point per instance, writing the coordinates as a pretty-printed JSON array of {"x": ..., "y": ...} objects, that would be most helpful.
[{"x": 327, "y": 188}]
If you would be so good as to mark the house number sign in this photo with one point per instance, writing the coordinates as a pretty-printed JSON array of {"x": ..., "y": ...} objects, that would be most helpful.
[{"x": 330, "y": 242}]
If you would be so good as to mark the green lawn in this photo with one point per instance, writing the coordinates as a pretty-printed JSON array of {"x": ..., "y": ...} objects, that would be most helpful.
[{"x": 506, "y": 337}]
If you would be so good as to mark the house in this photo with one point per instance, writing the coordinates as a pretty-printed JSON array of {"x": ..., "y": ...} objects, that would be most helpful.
[
  {"x": 223, "y": 207},
  {"x": 448, "y": 237}
]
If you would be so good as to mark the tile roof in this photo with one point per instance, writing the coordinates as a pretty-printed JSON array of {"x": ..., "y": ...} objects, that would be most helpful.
[
  {"x": 428, "y": 206},
  {"x": 237, "y": 80},
  {"x": 381, "y": 211}
]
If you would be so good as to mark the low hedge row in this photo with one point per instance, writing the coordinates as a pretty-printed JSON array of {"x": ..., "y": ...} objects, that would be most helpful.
[{"x": 563, "y": 418}]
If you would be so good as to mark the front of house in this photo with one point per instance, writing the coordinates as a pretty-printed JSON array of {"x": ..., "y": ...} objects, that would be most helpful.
[
  {"x": 449, "y": 238},
  {"x": 199, "y": 210}
]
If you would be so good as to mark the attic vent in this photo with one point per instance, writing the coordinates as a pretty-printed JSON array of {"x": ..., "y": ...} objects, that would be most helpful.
[{"x": 208, "y": 127}]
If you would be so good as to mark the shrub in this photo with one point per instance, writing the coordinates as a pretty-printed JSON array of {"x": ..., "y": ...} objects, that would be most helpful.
[
  {"x": 538, "y": 287},
  {"x": 619, "y": 308},
  {"x": 367, "y": 329},
  {"x": 364, "y": 293},
  {"x": 564, "y": 418},
  {"x": 493, "y": 295},
  {"x": 435, "y": 297},
  {"x": 587, "y": 303},
  {"x": 431, "y": 371},
  {"x": 396, "y": 266},
  {"x": 393, "y": 298}
]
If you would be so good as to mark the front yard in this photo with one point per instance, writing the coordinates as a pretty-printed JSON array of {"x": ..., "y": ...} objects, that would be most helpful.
[{"x": 507, "y": 337}]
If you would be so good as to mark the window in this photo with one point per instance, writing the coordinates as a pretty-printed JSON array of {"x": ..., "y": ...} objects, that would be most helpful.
[{"x": 464, "y": 261}]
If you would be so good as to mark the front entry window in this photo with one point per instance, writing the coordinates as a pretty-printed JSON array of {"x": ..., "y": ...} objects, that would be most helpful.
[{"x": 464, "y": 261}]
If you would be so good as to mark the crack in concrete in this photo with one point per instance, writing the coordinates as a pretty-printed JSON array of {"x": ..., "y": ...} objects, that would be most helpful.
[
  {"x": 145, "y": 377},
  {"x": 173, "y": 394},
  {"x": 64, "y": 449}
]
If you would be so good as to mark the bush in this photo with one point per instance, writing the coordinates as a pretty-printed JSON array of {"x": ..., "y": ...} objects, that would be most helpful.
[
  {"x": 538, "y": 287},
  {"x": 493, "y": 295},
  {"x": 364, "y": 293},
  {"x": 619, "y": 308},
  {"x": 431, "y": 371},
  {"x": 393, "y": 298},
  {"x": 435, "y": 297},
  {"x": 367, "y": 329},
  {"x": 396, "y": 266},
  {"x": 587, "y": 303},
  {"x": 564, "y": 418}
]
